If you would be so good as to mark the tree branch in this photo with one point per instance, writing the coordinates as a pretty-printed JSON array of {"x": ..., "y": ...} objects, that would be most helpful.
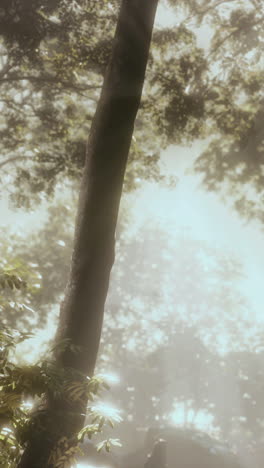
[
  {"x": 13, "y": 159},
  {"x": 49, "y": 79},
  {"x": 202, "y": 11},
  {"x": 5, "y": 69},
  {"x": 256, "y": 5},
  {"x": 232, "y": 33}
]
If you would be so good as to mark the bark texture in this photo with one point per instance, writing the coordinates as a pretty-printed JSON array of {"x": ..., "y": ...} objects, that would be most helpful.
[{"x": 109, "y": 141}]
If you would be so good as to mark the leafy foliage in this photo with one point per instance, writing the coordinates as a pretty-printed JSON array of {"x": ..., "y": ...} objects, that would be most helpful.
[
  {"x": 22, "y": 387},
  {"x": 51, "y": 75},
  {"x": 20, "y": 284},
  {"x": 18, "y": 384},
  {"x": 50, "y": 84},
  {"x": 232, "y": 164}
]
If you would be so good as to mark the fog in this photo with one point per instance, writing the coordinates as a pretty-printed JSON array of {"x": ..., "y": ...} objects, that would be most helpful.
[
  {"x": 184, "y": 312},
  {"x": 182, "y": 342}
]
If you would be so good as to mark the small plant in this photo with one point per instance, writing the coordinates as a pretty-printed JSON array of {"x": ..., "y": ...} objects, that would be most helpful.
[{"x": 21, "y": 387}]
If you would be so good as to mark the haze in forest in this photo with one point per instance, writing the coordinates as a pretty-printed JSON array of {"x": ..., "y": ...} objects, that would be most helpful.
[{"x": 182, "y": 338}]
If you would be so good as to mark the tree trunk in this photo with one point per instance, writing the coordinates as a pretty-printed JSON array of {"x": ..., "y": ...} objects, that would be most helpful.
[
  {"x": 158, "y": 457},
  {"x": 110, "y": 137}
]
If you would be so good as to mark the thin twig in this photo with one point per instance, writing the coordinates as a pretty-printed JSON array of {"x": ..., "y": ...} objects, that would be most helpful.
[
  {"x": 49, "y": 79},
  {"x": 5, "y": 69},
  {"x": 13, "y": 159}
]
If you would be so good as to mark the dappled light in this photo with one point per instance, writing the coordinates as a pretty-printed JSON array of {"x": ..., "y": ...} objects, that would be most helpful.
[
  {"x": 107, "y": 411},
  {"x": 182, "y": 417},
  {"x": 85, "y": 465},
  {"x": 111, "y": 378}
]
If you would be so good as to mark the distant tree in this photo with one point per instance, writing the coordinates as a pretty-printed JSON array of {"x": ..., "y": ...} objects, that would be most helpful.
[
  {"x": 159, "y": 279},
  {"x": 235, "y": 86},
  {"x": 183, "y": 448},
  {"x": 241, "y": 418}
]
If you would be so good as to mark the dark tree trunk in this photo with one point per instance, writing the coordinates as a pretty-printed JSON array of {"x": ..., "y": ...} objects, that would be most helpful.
[
  {"x": 158, "y": 457},
  {"x": 82, "y": 310}
]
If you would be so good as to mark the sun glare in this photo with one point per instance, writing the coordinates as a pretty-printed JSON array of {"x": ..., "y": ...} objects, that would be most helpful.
[
  {"x": 85, "y": 465},
  {"x": 110, "y": 378},
  {"x": 202, "y": 420},
  {"x": 165, "y": 16},
  {"x": 107, "y": 411},
  {"x": 27, "y": 405}
]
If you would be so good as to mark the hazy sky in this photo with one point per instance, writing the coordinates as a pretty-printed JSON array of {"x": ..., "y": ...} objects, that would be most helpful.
[{"x": 208, "y": 218}]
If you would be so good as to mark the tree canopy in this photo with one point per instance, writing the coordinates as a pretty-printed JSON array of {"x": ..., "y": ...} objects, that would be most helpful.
[{"x": 53, "y": 56}]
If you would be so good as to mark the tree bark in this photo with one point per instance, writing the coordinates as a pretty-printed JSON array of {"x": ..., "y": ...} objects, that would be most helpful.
[{"x": 109, "y": 141}]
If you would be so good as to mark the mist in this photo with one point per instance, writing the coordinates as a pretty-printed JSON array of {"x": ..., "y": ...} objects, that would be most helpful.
[{"x": 182, "y": 340}]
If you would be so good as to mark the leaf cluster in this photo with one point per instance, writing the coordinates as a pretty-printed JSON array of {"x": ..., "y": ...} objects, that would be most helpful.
[
  {"x": 50, "y": 84},
  {"x": 21, "y": 387},
  {"x": 19, "y": 285}
]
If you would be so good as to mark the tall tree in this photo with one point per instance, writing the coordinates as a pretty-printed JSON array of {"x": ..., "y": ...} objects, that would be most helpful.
[{"x": 93, "y": 255}]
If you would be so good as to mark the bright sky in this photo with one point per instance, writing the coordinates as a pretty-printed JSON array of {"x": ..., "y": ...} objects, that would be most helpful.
[
  {"x": 202, "y": 421},
  {"x": 85, "y": 465},
  {"x": 188, "y": 205},
  {"x": 164, "y": 16}
]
